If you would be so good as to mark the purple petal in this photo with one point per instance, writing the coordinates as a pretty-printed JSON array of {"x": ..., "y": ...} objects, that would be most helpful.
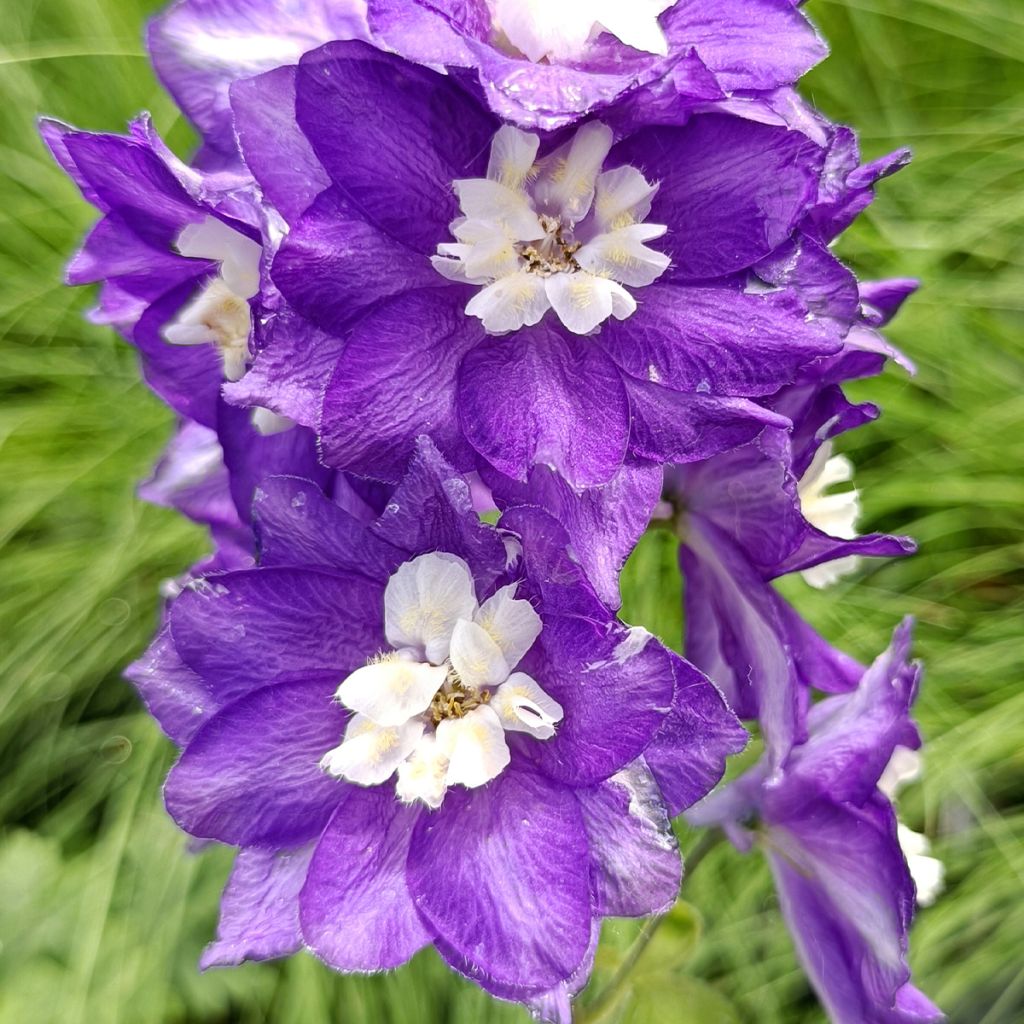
[
  {"x": 357, "y": 914},
  {"x": 515, "y": 900},
  {"x": 386, "y": 391},
  {"x": 731, "y": 190},
  {"x": 251, "y": 775},
  {"x": 333, "y": 264},
  {"x": 259, "y": 911},
  {"x": 715, "y": 340},
  {"x": 540, "y": 398},
  {"x": 275, "y": 150},
  {"x": 687, "y": 755},
  {"x": 635, "y": 862},
  {"x": 393, "y": 136},
  {"x": 616, "y": 688},
  {"x": 241, "y": 630}
]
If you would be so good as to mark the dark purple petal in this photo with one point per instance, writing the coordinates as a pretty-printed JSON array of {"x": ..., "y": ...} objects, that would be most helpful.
[
  {"x": 296, "y": 524},
  {"x": 500, "y": 873},
  {"x": 357, "y": 914},
  {"x": 259, "y": 911},
  {"x": 241, "y": 630},
  {"x": 715, "y": 340},
  {"x": 393, "y": 136},
  {"x": 251, "y": 775},
  {"x": 731, "y": 190},
  {"x": 882, "y": 300},
  {"x": 432, "y": 510},
  {"x": 603, "y": 524},
  {"x": 538, "y": 397},
  {"x": 825, "y": 286},
  {"x": 635, "y": 863},
  {"x": 819, "y": 664},
  {"x": 173, "y": 694},
  {"x": 687, "y": 755},
  {"x": 333, "y": 264},
  {"x": 275, "y": 150},
  {"x": 395, "y": 380},
  {"x": 680, "y": 427},
  {"x": 615, "y": 687}
]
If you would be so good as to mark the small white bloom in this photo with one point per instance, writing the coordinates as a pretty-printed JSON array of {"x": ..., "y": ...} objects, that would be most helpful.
[
  {"x": 555, "y": 234},
  {"x": 436, "y": 709},
  {"x": 834, "y": 514},
  {"x": 558, "y": 30},
  {"x": 219, "y": 314}
]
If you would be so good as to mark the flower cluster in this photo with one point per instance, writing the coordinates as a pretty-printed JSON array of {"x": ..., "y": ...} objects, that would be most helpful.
[{"x": 452, "y": 303}]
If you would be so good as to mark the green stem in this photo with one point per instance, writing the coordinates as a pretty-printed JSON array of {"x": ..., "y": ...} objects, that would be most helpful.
[{"x": 609, "y": 995}]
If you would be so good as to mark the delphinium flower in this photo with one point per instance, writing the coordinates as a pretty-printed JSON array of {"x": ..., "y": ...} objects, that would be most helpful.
[
  {"x": 762, "y": 511},
  {"x": 382, "y": 704},
  {"x": 673, "y": 379},
  {"x": 830, "y": 836}
]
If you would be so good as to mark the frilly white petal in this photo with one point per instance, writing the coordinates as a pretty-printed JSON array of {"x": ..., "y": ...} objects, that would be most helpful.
[
  {"x": 513, "y": 154},
  {"x": 475, "y": 747},
  {"x": 422, "y": 775},
  {"x": 519, "y": 300},
  {"x": 584, "y": 301},
  {"x": 512, "y": 624},
  {"x": 239, "y": 256},
  {"x": 391, "y": 692},
  {"x": 493, "y": 203},
  {"x": 568, "y": 176},
  {"x": 622, "y": 255},
  {"x": 622, "y": 197},
  {"x": 522, "y": 706},
  {"x": 424, "y": 599},
  {"x": 369, "y": 755},
  {"x": 475, "y": 656}
]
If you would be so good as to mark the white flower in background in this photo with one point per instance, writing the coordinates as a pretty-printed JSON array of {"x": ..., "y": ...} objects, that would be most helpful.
[
  {"x": 219, "y": 314},
  {"x": 834, "y": 514},
  {"x": 553, "y": 234},
  {"x": 927, "y": 872},
  {"x": 560, "y": 30},
  {"x": 436, "y": 708}
]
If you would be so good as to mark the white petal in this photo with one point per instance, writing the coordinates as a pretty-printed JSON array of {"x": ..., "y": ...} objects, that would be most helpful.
[
  {"x": 234, "y": 358},
  {"x": 519, "y": 300},
  {"x": 424, "y": 599},
  {"x": 475, "y": 747},
  {"x": 493, "y": 259},
  {"x": 219, "y": 316},
  {"x": 369, "y": 755},
  {"x": 622, "y": 197},
  {"x": 239, "y": 256},
  {"x": 904, "y": 766},
  {"x": 476, "y": 657},
  {"x": 448, "y": 267},
  {"x": 928, "y": 872},
  {"x": 634, "y": 22},
  {"x": 622, "y": 255},
  {"x": 187, "y": 334},
  {"x": 422, "y": 775},
  {"x": 267, "y": 422},
  {"x": 545, "y": 28},
  {"x": 522, "y": 706},
  {"x": 391, "y": 692},
  {"x": 513, "y": 153},
  {"x": 829, "y": 573},
  {"x": 584, "y": 301},
  {"x": 490, "y": 201},
  {"x": 513, "y": 625},
  {"x": 568, "y": 176}
]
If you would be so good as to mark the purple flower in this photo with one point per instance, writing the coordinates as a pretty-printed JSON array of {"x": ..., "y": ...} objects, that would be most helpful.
[
  {"x": 545, "y": 65},
  {"x": 830, "y": 836},
  {"x": 200, "y": 47},
  {"x": 761, "y": 511},
  {"x": 177, "y": 253},
  {"x": 384, "y": 704},
  {"x": 672, "y": 380}
]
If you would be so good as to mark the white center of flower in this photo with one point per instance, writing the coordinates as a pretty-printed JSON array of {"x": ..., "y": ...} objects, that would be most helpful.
[
  {"x": 928, "y": 872},
  {"x": 557, "y": 30},
  {"x": 219, "y": 314},
  {"x": 834, "y": 514},
  {"x": 437, "y": 706},
  {"x": 552, "y": 234}
]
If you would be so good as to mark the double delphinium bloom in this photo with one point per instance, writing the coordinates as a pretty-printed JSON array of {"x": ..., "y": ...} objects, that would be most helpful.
[{"x": 452, "y": 303}]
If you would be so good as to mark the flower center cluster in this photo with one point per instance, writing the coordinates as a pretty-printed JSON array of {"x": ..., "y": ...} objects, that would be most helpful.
[
  {"x": 560, "y": 30},
  {"x": 219, "y": 314},
  {"x": 556, "y": 233},
  {"x": 435, "y": 709}
]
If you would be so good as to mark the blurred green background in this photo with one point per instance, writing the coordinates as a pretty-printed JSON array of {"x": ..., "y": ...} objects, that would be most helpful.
[{"x": 103, "y": 911}]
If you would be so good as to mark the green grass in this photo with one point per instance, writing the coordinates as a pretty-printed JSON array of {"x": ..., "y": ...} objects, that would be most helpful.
[{"x": 103, "y": 912}]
